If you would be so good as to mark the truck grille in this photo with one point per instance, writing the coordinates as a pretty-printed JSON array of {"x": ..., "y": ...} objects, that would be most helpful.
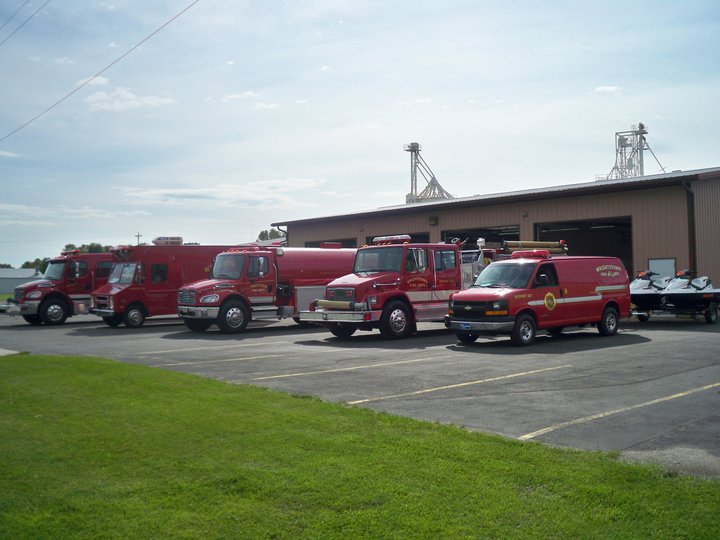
[
  {"x": 18, "y": 295},
  {"x": 470, "y": 310},
  {"x": 340, "y": 293},
  {"x": 186, "y": 297}
]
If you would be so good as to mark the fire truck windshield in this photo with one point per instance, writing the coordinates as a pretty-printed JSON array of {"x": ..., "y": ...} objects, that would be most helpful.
[
  {"x": 513, "y": 276},
  {"x": 380, "y": 259},
  {"x": 122, "y": 273},
  {"x": 54, "y": 270},
  {"x": 228, "y": 266}
]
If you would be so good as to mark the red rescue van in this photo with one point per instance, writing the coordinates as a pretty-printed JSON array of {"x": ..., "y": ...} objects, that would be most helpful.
[{"x": 533, "y": 291}]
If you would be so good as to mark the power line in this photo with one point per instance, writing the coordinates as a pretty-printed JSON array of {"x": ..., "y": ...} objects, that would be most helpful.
[
  {"x": 23, "y": 23},
  {"x": 103, "y": 70},
  {"x": 13, "y": 15}
]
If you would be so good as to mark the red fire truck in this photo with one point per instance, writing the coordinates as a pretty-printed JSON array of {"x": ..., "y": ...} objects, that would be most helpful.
[
  {"x": 64, "y": 290},
  {"x": 532, "y": 291},
  {"x": 394, "y": 285},
  {"x": 144, "y": 281},
  {"x": 250, "y": 283}
]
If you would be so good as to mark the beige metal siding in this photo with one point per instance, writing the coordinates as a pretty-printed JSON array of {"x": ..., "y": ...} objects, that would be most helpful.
[
  {"x": 659, "y": 221},
  {"x": 707, "y": 227}
]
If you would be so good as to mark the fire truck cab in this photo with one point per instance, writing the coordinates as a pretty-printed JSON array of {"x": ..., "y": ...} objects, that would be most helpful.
[
  {"x": 394, "y": 285},
  {"x": 533, "y": 290},
  {"x": 64, "y": 289}
]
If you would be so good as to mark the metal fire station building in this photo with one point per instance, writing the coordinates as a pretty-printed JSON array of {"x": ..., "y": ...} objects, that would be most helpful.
[{"x": 665, "y": 223}]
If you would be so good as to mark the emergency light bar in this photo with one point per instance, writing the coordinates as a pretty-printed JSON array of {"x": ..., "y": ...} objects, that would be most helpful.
[{"x": 393, "y": 239}]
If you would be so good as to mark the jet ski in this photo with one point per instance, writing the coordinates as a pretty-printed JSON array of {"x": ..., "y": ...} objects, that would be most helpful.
[
  {"x": 646, "y": 290},
  {"x": 686, "y": 292}
]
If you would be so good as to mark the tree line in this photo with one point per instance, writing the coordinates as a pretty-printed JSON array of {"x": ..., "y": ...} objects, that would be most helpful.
[{"x": 94, "y": 247}]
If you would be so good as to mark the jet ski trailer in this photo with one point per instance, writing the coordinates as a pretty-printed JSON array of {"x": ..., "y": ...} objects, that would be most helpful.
[{"x": 681, "y": 296}]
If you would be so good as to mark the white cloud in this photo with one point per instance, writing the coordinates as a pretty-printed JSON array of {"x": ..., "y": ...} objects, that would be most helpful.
[
  {"x": 607, "y": 90},
  {"x": 8, "y": 154},
  {"x": 64, "y": 60},
  {"x": 265, "y": 106},
  {"x": 325, "y": 68},
  {"x": 122, "y": 99},
  {"x": 275, "y": 194},
  {"x": 242, "y": 95},
  {"x": 97, "y": 81}
]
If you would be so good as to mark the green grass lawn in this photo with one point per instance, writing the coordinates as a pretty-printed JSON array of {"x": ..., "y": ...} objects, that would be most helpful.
[{"x": 95, "y": 448}]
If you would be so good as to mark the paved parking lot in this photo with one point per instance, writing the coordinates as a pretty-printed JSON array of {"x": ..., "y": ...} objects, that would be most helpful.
[{"x": 651, "y": 392}]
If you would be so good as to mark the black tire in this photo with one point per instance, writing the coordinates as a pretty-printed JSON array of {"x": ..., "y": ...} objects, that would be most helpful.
[
  {"x": 113, "y": 320},
  {"x": 608, "y": 325},
  {"x": 555, "y": 331},
  {"x": 643, "y": 317},
  {"x": 464, "y": 337},
  {"x": 32, "y": 319},
  {"x": 53, "y": 312},
  {"x": 134, "y": 316},
  {"x": 343, "y": 331},
  {"x": 197, "y": 325},
  {"x": 524, "y": 331},
  {"x": 711, "y": 313},
  {"x": 395, "y": 322},
  {"x": 234, "y": 317}
]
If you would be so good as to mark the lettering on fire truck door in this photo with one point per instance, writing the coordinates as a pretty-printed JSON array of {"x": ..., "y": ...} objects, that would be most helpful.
[{"x": 261, "y": 276}]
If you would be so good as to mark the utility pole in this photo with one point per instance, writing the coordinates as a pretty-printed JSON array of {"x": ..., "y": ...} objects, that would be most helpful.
[{"x": 138, "y": 236}]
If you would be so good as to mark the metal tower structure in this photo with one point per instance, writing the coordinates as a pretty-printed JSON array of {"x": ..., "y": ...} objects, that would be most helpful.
[
  {"x": 629, "y": 147},
  {"x": 433, "y": 190}
]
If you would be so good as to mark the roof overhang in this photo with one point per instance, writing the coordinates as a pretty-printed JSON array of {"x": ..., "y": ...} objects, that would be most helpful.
[{"x": 678, "y": 178}]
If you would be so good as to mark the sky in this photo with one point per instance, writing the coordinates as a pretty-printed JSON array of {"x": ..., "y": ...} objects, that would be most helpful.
[{"x": 120, "y": 118}]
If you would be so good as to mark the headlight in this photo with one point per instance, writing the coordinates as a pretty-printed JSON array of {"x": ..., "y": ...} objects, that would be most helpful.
[
  {"x": 34, "y": 294},
  {"x": 499, "y": 308},
  {"x": 210, "y": 299},
  {"x": 372, "y": 300}
]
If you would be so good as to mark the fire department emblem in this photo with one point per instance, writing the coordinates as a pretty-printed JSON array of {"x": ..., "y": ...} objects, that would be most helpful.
[{"x": 550, "y": 301}]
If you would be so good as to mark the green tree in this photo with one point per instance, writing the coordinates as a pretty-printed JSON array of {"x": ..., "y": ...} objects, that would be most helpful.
[
  {"x": 5, "y": 265},
  {"x": 40, "y": 264},
  {"x": 271, "y": 234}
]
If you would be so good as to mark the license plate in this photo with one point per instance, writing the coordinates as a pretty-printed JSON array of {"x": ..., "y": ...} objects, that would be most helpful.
[{"x": 465, "y": 326}]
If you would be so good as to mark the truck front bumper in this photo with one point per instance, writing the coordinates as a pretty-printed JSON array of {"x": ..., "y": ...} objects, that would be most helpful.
[
  {"x": 333, "y": 316},
  {"x": 500, "y": 326},
  {"x": 26, "y": 308},
  {"x": 103, "y": 312},
  {"x": 11, "y": 309},
  {"x": 199, "y": 312}
]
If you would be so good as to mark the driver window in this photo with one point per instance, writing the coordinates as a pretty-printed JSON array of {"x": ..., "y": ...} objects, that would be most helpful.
[
  {"x": 258, "y": 267},
  {"x": 416, "y": 260},
  {"x": 549, "y": 271}
]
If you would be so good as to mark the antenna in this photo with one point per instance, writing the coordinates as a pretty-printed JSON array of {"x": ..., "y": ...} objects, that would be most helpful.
[
  {"x": 433, "y": 191},
  {"x": 629, "y": 147}
]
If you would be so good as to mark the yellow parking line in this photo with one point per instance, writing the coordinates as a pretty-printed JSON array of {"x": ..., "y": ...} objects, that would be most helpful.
[
  {"x": 605, "y": 414},
  {"x": 220, "y": 361},
  {"x": 459, "y": 385},
  {"x": 352, "y": 368}
]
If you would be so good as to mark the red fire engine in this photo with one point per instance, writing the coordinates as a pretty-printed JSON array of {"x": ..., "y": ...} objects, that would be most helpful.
[
  {"x": 533, "y": 291},
  {"x": 144, "y": 281},
  {"x": 394, "y": 285},
  {"x": 64, "y": 290},
  {"x": 253, "y": 283}
]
